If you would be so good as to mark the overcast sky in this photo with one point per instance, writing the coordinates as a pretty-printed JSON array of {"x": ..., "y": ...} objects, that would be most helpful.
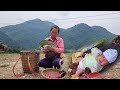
[{"x": 65, "y": 19}]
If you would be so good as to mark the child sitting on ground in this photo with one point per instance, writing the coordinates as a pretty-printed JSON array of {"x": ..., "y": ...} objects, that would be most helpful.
[{"x": 95, "y": 60}]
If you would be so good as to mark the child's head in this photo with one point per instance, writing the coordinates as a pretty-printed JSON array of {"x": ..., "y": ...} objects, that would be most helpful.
[{"x": 108, "y": 56}]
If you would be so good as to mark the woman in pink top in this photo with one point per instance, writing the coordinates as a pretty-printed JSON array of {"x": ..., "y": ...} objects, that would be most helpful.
[{"x": 52, "y": 58}]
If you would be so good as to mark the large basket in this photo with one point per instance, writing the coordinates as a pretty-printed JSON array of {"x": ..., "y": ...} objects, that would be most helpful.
[
  {"x": 52, "y": 73},
  {"x": 30, "y": 61}
]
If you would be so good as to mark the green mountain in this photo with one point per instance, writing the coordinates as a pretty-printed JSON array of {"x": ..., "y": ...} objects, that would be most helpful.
[
  {"x": 82, "y": 34},
  {"x": 29, "y": 33},
  {"x": 8, "y": 41}
]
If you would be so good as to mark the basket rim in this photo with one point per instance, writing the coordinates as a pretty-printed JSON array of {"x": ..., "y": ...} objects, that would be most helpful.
[
  {"x": 50, "y": 69},
  {"x": 30, "y": 51}
]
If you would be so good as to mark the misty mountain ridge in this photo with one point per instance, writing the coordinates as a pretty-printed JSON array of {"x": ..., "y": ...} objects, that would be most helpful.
[{"x": 29, "y": 33}]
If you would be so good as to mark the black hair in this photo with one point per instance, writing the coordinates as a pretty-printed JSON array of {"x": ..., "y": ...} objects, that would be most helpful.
[{"x": 55, "y": 26}]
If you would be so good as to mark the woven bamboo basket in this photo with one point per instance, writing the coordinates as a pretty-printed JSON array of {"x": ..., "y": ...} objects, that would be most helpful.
[
  {"x": 52, "y": 73},
  {"x": 32, "y": 57}
]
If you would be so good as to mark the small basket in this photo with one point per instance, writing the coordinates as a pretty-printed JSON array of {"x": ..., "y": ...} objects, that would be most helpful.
[
  {"x": 52, "y": 73},
  {"x": 32, "y": 57}
]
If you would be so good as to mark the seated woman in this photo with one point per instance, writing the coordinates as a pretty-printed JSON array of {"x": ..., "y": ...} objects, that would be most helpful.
[
  {"x": 95, "y": 60},
  {"x": 52, "y": 56}
]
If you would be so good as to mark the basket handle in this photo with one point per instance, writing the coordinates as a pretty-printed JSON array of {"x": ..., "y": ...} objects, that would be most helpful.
[
  {"x": 22, "y": 74},
  {"x": 30, "y": 67},
  {"x": 17, "y": 74}
]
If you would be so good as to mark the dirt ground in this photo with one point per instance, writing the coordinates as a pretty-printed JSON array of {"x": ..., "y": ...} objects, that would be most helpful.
[{"x": 7, "y": 61}]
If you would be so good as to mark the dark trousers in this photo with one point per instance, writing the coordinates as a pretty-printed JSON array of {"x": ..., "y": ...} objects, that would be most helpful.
[{"x": 45, "y": 63}]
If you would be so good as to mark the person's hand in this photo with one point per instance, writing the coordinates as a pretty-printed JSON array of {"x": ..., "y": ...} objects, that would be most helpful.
[
  {"x": 44, "y": 49},
  {"x": 50, "y": 48}
]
